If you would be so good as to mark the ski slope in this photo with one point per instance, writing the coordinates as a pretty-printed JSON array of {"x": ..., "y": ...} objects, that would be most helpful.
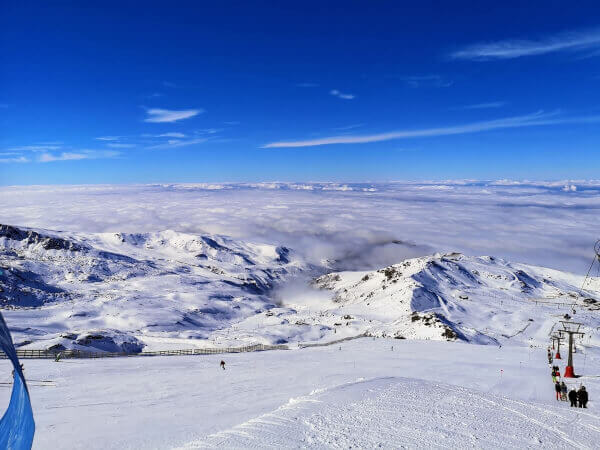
[
  {"x": 403, "y": 412},
  {"x": 359, "y": 393}
]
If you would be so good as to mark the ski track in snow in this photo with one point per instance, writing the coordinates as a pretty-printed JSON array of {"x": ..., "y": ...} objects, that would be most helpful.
[
  {"x": 408, "y": 413},
  {"x": 357, "y": 394}
]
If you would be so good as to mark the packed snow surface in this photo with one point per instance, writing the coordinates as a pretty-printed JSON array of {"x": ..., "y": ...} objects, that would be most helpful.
[{"x": 362, "y": 393}]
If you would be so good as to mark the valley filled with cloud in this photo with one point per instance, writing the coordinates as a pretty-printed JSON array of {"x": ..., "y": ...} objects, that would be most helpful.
[{"x": 359, "y": 226}]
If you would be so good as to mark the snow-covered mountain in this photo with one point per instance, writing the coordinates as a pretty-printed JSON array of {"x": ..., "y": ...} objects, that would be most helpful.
[
  {"x": 124, "y": 291},
  {"x": 483, "y": 300},
  {"x": 115, "y": 291}
]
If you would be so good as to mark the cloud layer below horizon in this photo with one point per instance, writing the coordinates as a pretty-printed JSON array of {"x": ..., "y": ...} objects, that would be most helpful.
[{"x": 549, "y": 224}]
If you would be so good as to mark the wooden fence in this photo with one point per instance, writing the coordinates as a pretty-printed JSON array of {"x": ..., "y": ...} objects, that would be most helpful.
[
  {"x": 337, "y": 341},
  {"x": 67, "y": 354}
]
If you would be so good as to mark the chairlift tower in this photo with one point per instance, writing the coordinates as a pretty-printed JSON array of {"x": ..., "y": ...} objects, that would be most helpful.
[
  {"x": 557, "y": 338},
  {"x": 570, "y": 328}
]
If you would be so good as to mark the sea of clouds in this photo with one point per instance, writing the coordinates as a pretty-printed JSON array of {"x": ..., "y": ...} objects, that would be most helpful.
[{"x": 361, "y": 226}]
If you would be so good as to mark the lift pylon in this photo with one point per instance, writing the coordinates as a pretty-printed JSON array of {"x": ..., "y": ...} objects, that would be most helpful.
[
  {"x": 557, "y": 338},
  {"x": 572, "y": 329}
]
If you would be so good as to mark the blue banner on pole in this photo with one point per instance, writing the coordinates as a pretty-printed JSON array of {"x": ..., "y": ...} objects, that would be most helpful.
[{"x": 16, "y": 426}]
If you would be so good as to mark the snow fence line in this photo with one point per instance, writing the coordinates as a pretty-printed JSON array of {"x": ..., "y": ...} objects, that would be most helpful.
[
  {"x": 337, "y": 341},
  {"x": 70, "y": 354},
  {"x": 67, "y": 354}
]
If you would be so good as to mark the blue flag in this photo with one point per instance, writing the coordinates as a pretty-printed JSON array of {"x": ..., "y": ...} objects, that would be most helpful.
[{"x": 16, "y": 426}]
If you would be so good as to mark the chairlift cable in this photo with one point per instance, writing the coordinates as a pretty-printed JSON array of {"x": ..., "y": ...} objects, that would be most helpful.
[{"x": 596, "y": 256}]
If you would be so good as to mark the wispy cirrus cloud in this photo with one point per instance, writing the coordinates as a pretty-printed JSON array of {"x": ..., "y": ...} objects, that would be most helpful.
[
  {"x": 171, "y": 134},
  {"x": 572, "y": 41},
  {"x": 51, "y": 151},
  {"x": 120, "y": 145},
  {"x": 176, "y": 143},
  {"x": 34, "y": 148},
  {"x": 77, "y": 155},
  {"x": 431, "y": 80},
  {"x": 488, "y": 105},
  {"x": 341, "y": 95},
  {"x": 536, "y": 119},
  {"x": 12, "y": 159},
  {"x": 209, "y": 131},
  {"x": 158, "y": 115},
  {"x": 348, "y": 127},
  {"x": 307, "y": 85},
  {"x": 64, "y": 156},
  {"x": 108, "y": 138}
]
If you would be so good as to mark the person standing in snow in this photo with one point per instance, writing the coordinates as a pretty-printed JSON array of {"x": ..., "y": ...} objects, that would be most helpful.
[
  {"x": 573, "y": 398},
  {"x": 557, "y": 390},
  {"x": 563, "y": 391},
  {"x": 582, "y": 397},
  {"x": 553, "y": 373},
  {"x": 222, "y": 364}
]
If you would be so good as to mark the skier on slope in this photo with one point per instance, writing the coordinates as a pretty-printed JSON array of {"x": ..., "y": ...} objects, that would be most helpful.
[
  {"x": 582, "y": 397},
  {"x": 557, "y": 389},
  {"x": 222, "y": 364},
  {"x": 563, "y": 391},
  {"x": 573, "y": 398},
  {"x": 553, "y": 373}
]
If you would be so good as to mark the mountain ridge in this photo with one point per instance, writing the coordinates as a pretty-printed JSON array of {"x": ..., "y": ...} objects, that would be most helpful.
[{"x": 169, "y": 289}]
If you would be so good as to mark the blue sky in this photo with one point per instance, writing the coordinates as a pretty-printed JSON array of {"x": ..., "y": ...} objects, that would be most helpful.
[{"x": 116, "y": 92}]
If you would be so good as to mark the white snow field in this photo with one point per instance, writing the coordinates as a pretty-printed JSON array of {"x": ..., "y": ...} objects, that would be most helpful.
[{"x": 356, "y": 394}]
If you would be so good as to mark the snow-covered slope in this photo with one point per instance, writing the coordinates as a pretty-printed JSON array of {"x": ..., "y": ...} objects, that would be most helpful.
[
  {"x": 364, "y": 393},
  {"x": 483, "y": 300},
  {"x": 392, "y": 412},
  {"x": 119, "y": 292},
  {"x": 132, "y": 292}
]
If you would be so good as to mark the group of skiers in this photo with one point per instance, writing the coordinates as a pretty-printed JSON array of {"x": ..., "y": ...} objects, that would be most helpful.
[{"x": 578, "y": 398}]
